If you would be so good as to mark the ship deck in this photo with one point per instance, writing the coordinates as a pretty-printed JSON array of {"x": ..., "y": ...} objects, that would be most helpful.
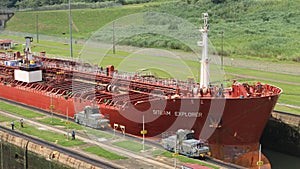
[{"x": 80, "y": 80}]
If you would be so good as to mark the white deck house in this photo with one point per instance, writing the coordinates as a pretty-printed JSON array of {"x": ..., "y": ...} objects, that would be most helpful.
[{"x": 5, "y": 44}]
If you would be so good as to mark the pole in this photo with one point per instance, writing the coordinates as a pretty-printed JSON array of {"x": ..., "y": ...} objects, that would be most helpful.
[
  {"x": 51, "y": 107},
  {"x": 37, "y": 28},
  {"x": 259, "y": 155},
  {"x": 67, "y": 123},
  {"x": 114, "y": 46},
  {"x": 70, "y": 20},
  {"x": 114, "y": 132},
  {"x": 222, "y": 61},
  {"x": 143, "y": 133},
  {"x": 2, "y": 162},
  {"x": 175, "y": 151}
]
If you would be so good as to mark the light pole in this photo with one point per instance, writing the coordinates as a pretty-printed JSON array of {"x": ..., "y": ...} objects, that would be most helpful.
[
  {"x": 114, "y": 45},
  {"x": 67, "y": 123},
  {"x": 175, "y": 151},
  {"x": 37, "y": 28},
  {"x": 2, "y": 162},
  {"x": 143, "y": 132},
  {"x": 51, "y": 107},
  {"x": 70, "y": 20},
  {"x": 222, "y": 61}
]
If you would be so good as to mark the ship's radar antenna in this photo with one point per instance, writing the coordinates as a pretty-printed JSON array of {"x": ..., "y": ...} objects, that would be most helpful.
[
  {"x": 204, "y": 72},
  {"x": 28, "y": 39},
  {"x": 205, "y": 18}
]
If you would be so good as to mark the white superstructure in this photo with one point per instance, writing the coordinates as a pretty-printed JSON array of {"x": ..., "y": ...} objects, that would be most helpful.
[
  {"x": 204, "y": 77},
  {"x": 28, "y": 76}
]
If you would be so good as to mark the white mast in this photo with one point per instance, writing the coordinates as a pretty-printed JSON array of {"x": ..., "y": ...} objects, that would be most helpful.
[
  {"x": 204, "y": 77},
  {"x": 27, "y": 50}
]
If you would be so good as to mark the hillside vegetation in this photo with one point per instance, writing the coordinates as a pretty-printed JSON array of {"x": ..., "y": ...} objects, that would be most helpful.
[
  {"x": 262, "y": 28},
  {"x": 55, "y": 23},
  {"x": 50, "y": 4}
]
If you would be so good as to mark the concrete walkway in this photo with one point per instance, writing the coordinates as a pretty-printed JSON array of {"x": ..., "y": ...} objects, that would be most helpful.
[
  {"x": 262, "y": 78},
  {"x": 289, "y": 105}
]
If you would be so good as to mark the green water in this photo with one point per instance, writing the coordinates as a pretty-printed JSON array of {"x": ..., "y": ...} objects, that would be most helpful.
[{"x": 282, "y": 161}]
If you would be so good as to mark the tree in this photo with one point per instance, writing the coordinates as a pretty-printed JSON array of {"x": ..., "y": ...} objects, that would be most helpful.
[
  {"x": 7, "y": 3},
  {"x": 28, "y": 4},
  {"x": 218, "y": 1}
]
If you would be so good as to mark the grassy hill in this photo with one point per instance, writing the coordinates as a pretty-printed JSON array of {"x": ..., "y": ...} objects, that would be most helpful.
[
  {"x": 262, "y": 28},
  {"x": 54, "y": 23}
]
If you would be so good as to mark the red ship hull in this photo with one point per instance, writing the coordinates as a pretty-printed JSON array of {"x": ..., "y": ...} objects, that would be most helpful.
[{"x": 230, "y": 129}]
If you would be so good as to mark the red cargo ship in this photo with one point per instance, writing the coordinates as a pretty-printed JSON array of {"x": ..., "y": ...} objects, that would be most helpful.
[{"x": 231, "y": 119}]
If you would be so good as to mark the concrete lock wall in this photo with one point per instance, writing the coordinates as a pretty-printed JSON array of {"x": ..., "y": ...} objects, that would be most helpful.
[
  {"x": 282, "y": 134},
  {"x": 19, "y": 153}
]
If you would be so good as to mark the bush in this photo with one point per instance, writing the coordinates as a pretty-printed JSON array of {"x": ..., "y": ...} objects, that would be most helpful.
[{"x": 77, "y": 5}]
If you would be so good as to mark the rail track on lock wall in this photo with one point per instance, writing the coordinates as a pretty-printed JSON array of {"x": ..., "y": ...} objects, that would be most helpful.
[
  {"x": 286, "y": 113},
  {"x": 68, "y": 152},
  {"x": 149, "y": 142}
]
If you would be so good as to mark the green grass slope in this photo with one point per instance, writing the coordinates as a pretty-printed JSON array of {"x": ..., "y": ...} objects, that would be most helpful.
[
  {"x": 261, "y": 28},
  {"x": 85, "y": 21}
]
